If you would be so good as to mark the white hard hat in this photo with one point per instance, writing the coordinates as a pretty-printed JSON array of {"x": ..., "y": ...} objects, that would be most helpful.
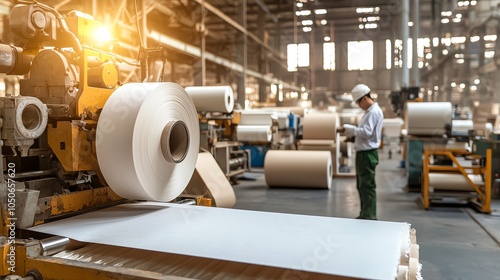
[{"x": 359, "y": 91}]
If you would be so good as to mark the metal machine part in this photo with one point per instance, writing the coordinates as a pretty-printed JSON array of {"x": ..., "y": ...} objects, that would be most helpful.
[{"x": 24, "y": 119}]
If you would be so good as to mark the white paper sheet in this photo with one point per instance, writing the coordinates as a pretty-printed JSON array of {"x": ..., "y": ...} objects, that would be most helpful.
[{"x": 334, "y": 246}]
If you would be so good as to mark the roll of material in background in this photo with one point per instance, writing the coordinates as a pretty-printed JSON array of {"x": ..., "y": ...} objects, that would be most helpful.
[
  {"x": 254, "y": 133},
  {"x": 212, "y": 98},
  {"x": 392, "y": 127},
  {"x": 302, "y": 169},
  {"x": 256, "y": 117},
  {"x": 461, "y": 127},
  {"x": 453, "y": 182},
  {"x": 346, "y": 148},
  {"x": 428, "y": 118},
  {"x": 320, "y": 126},
  {"x": 148, "y": 140},
  {"x": 330, "y": 144}
]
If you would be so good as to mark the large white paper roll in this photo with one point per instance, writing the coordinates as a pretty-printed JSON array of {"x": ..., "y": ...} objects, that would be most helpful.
[
  {"x": 212, "y": 98},
  {"x": 254, "y": 133},
  {"x": 303, "y": 169},
  {"x": 428, "y": 118},
  {"x": 147, "y": 141},
  {"x": 320, "y": 126}
]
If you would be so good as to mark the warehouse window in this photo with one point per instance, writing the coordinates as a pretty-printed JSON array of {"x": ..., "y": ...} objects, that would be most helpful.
[
  {"x": 329, "y": 56},
  {"x": 388, "y": 54},
  {"x": 422, "y": 43},
  {"x": 297, "y": 56},
  {"x": 360, "y": 55}
]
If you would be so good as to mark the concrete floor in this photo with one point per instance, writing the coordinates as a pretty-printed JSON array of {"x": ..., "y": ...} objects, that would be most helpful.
[{"x": 455, "y": 241}]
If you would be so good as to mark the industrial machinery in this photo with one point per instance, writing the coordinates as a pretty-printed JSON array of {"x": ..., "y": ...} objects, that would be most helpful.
[
  {"x": 48, "y": 131},
  {"x": 219, "y": 137}
]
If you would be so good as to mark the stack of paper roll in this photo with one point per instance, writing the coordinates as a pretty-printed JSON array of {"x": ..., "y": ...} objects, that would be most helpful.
[
  {"x": 319, "y": 134},
  {"x": 302, "y": 169},
  {"x": 147, "y": 141},
  {"x": 255, "y": 126},
  {"x": 212, "y": 98},
  {"x": 428, "y": 118},
  {"x": 453, "y": 182}
]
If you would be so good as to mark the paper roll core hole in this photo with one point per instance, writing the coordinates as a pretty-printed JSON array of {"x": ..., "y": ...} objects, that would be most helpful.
[
  {"x": 31, "y": 117},
  {"x": 175, "y": 141}
]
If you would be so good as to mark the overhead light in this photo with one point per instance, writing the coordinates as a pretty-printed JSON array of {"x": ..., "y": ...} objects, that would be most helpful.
[
  {"x": 307, "y": 22},
  {"x": 371, "y": 25},
  {"x": 307, "y": 29},
  {"x": 462, "y": 85},
  {"x": 473, "y": 87},
  {"x": 445, "y": 20},
  {"x": 320, "y": 11},
  {"x": 473, "y": 3},
  {"x": 373, "y": 18},
  {"x": 303, "y": 13},
  {"x": 456, "y": 20},
  {"x": 428, "y": 55},
  {"x": 410, "y": 23},
  {"x": 453, "y": 84},
  {"x": 445, "y": 52},
  {"x": 368, "y": 10},
  {"x": 474, "y": 38},
  {"x": 458, "y": 15},
  {"x": 361, "y": 26},
  {"x": 459, "y": 55},
  {"x": 300, "y": 5},
  {"x": 324, "y": 22},
  {"x": 490, "y": 37},
  {"x": 327, "y": 38},
  {"x": 446, "y": 13},
  {"x": 460, "y": 61},
  {"x": 436, "y": 87},
  {"x": 476, "y": 81}
]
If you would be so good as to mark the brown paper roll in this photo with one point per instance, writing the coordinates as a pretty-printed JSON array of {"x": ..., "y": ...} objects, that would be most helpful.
[
  {"x": 303, "y": 169},
  {"x": 452, "y": 182},
  {"x": 320, "y": 126}
]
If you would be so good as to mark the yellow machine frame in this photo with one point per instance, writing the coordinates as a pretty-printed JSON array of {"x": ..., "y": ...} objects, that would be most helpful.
[{"x": 483, "y": 202}]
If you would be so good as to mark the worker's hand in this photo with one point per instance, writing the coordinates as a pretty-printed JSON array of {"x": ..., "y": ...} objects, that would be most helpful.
[{"x": 350, "y": 130}]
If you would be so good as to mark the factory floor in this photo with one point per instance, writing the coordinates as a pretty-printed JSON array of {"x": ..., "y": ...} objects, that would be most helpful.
[{"x": 455, "y": 241}]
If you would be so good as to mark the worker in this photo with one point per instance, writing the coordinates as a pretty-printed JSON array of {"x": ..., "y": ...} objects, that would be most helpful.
[{"x": 368, "y": 135}]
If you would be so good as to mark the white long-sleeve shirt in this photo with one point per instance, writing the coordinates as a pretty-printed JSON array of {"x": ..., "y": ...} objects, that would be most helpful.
[{"x": 369, "y": 131}]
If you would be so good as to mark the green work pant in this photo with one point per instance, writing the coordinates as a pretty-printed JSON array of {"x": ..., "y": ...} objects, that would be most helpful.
[{"x": 366, "y": 162}]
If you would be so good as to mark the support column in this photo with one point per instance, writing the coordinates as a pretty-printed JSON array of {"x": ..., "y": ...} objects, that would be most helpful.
[
  {"x": 241, "y": 52},
  {"x": 395, "y": 86},
  {"x": 405, "y": 17},
  {"x": 415, "y": 32},
  {"x": 262, "y": 60},
  {"x": 201, "y": 65}
]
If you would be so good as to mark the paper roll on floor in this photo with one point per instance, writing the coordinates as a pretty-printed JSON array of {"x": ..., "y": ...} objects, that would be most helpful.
[
  {"x": 303, "y": 169},
  {"x": 320, "y": 126},
  {"x": 148, "y": 140},
  {"x": 212, "y": 98},
  {"x": 254, "y": 133}
]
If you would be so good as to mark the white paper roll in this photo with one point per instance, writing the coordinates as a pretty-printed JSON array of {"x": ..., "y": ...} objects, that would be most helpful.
[
  {"x": 256, "y": 117},
  {"x": 320, "y": 126},
  {"x": 428, "y": 118},
  {"x": 254, "y": 133},
  {"x": 147, "y": 141},
  {"x": 461, "y": 127},
  {"x": 212, "y": 98},
  {"x": 303, "y": 169}
]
